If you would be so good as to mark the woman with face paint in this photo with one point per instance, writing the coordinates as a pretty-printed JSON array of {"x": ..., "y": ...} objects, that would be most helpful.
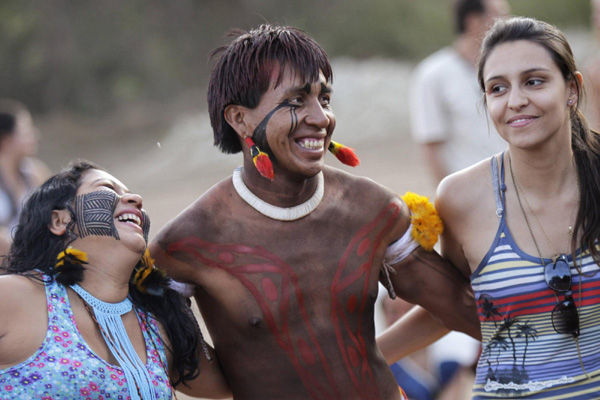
[{"x": 83, "y": 311}]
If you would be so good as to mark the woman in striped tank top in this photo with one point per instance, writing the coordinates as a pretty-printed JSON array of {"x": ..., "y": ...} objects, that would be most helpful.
[{"x": 527, "y": 234}]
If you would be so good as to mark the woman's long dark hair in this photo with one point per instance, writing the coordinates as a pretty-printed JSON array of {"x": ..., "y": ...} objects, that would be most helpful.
[
  {"x": 35, "y": 247},
  {"x": 584, "y": 142}
]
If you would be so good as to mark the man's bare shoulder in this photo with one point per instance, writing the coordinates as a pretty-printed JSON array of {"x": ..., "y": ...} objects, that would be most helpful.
[
  {"x": 371, "y": 198},
  {"x": 201, "y": 214},
  {"x": 354, "y": 185}
]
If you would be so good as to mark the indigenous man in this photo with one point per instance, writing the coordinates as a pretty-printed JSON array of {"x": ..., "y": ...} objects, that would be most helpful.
[{"x": 285, "y": 255}]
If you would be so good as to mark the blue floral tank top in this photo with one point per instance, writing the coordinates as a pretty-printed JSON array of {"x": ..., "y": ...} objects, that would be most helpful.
[{"x": 65, "y": 367}]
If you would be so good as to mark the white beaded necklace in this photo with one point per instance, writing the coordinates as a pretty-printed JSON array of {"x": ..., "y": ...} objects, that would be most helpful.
[{"x": 274, "y": 212}]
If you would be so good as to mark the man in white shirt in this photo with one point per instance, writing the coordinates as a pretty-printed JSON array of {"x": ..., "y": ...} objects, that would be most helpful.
[{"x": 446, "y": 109}]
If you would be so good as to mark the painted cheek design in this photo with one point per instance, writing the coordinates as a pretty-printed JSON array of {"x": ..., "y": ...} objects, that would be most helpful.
[
  {"x": 261, "y": 128},
  {"x": 95, "y": 213}
]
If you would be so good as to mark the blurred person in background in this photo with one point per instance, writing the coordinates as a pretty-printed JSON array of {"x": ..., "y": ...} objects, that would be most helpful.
[
  {"x": 425, "y": 375},
  {"x": 448, "y": 119},
  {"x": 20, "y": 170},
  {"x": 592, "y": 73},
  {"x": 445, "y": 114}
]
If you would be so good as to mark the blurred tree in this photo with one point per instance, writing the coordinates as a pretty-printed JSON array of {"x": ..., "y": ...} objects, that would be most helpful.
[{"x": 93, "y": 57}]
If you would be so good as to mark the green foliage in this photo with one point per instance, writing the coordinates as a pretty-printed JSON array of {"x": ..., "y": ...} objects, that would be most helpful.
[
  {"x": 562, "y": 13},
  {"x": 95, "y": 56}
]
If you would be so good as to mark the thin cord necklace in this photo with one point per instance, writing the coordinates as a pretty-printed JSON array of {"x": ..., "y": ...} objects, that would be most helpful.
[
  {"x": 550, "y": 242},
  {"x": 109, "y": 318},
  {"x": 512, "y": 175},
  {"x": 274, "y": 212}
]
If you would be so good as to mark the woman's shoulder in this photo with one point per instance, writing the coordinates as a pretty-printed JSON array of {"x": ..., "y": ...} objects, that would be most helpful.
[
  {"x": 15, "y": 285},
  {"x": 19, "y": 294},
  {"x": 465, "y": 189}
]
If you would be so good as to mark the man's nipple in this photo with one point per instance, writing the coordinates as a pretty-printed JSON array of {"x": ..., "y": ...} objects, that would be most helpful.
[{"x": 254, "y": 321}]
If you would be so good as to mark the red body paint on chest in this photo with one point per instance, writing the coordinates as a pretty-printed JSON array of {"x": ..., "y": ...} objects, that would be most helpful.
[{"x": 279, "y": 286}]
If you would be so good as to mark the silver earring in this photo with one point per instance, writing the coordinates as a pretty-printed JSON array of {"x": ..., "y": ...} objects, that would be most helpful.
[{"x": 570, "y": 102}]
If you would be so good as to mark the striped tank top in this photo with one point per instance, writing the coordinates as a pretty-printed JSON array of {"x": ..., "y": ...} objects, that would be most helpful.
[{"x": 522, "y": 355}]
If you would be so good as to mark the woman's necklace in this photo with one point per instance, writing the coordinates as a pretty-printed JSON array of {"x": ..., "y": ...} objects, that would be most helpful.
[
  {"x": 109, "y": 318},
  {"x": 554, "y": 258},
  {"x": 548, "y": 241},
  {"x": 274, "y": 212},
  {"x": 515, "y": 185}
]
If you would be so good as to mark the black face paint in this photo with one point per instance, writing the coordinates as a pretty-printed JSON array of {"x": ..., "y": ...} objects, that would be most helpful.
[
  {"x": 260, "y": 132},
  {"x": 145, "y": 225},
  {"x": 95, "y": 214}
]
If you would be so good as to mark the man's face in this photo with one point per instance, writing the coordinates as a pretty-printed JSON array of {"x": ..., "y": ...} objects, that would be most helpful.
[{"x": 294, "y": 121}]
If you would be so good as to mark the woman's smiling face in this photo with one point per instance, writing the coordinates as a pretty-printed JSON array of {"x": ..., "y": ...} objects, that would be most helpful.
[{"x": 527, "y": 96}]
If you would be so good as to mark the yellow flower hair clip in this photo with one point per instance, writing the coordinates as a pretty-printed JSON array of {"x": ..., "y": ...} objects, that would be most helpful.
[{"x": 426, "y": 223}]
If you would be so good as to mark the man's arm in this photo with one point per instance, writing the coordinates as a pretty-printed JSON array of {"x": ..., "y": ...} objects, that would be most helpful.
[
  {"x": 210, "y": 383},
  {"x": 175, "y": 268},
  {"x": 426, "y": 279}
]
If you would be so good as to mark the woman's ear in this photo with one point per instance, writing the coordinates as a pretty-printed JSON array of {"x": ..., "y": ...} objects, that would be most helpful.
[
  {"x": 576, "y": 82},
  {"x": 235, "y": 115},
  {"x": 59, "y": 220}
]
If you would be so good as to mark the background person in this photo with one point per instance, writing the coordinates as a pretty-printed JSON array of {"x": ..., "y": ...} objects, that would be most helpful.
[
  {"x": 20, "y": 171},
  {"x": 533, "y": 252},
  {"x": 446, "y": 117},
  {"x": 83, "y": 312},
  {"x": 592, "y": 73},
  {"x": 427, "y": 374}
]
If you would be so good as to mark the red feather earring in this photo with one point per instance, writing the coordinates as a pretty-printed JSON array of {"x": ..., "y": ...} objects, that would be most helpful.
[
  {"x": 343, "y": 153},
  {"x": 261, "y": 160}
]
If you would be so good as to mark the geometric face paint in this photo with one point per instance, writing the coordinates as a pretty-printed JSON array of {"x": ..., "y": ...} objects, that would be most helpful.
[{"x": 95, "y": 213}]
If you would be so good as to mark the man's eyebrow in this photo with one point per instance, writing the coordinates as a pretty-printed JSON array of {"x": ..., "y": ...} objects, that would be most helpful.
[
  {"x": 305, "y": 88},
  {"x": 325, "y": 88}
]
